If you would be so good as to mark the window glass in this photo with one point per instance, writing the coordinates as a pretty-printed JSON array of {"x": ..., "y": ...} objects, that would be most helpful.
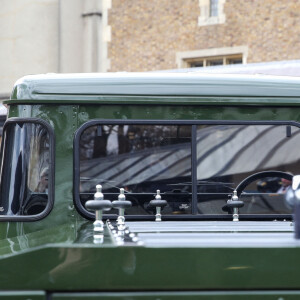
[
  {"x": 213, "y": 8},
  {"x": 196, "y": 64},
  {"x": 214, "y": 62},
  {"x": 227, "y": 154},
  {"x": 24, "y": 169},
  {"x": 144, "y": 158},
  {"x": 233, "y": 61},
  {"x": 141, "y": 159}
]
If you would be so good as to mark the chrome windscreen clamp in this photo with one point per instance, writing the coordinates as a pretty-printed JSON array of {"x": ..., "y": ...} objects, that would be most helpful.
[
  {"x": 159, "y": 204},
  {"x": 292, "y": 198},
  {"x": 121, "y": 204},
  {"x": 98, "y": 205},
  {"x": 233, "y": 206}
]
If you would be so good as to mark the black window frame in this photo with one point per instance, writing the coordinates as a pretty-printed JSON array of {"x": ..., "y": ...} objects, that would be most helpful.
[
  {"x": 51, "y": 183},
  {"x": 193, "y": 123}
]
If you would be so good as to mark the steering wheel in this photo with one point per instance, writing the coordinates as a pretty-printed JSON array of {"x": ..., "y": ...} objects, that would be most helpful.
[{"x": 241, "y": 186}]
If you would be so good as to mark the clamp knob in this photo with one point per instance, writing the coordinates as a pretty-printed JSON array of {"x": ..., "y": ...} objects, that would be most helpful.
[
  {"x": 98, "y": 205},
  {"x": 121, "y": 204},
  {"x": 159, "y": 204},
  {"x": 232, "y": 206}
]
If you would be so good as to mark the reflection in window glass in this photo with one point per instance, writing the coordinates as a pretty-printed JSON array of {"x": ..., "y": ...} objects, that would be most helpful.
[
  {"x": 24, "y": 170},
  {"x": 227, "y": 154},
  {"x": 141, "y": 159}
]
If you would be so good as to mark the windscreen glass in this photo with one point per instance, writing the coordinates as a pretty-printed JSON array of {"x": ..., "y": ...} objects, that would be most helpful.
[
  {"x": 227, "y": 154},
  {"x": 141, "y": 159},
  {"x": 145, "y": 158},
  {"x": 24, "y": 169}
]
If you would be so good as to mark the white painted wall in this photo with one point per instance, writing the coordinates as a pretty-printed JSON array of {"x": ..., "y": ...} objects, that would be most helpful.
[
  {"x": 70, "y": 36},
  {"x": 46, "y": 36},
  {"x": 28, "y": 39}
]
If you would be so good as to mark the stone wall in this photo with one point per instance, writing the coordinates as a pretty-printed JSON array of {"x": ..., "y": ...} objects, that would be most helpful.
[{"x": 147, "y": 34}]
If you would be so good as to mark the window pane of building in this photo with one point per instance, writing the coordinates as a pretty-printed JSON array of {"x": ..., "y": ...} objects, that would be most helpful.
[
  {"x": 214, "y": 62},
  {"x": 213, "y": 8},
  {"x": 196, "y": 64},
  {"x": 232, "y": 61}
]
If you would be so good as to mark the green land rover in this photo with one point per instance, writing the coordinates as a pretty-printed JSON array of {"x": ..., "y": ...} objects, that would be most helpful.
[{"x": 150, "y": 186}]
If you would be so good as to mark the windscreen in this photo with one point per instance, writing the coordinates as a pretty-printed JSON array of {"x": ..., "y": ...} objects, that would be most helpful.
[
  {"x": 24, "y": 169},
  {"x": 145, "y": 158}
]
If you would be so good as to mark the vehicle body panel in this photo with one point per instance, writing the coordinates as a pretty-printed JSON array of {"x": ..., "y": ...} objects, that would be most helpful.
[{"x": 58, "y": 254}]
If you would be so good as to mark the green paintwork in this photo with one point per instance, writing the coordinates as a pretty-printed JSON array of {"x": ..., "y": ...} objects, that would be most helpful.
[
  {"x": 224, "y": 295},
  {"x": 58, "y": 253},
  {"x": 65, "y": 258},
  {"x": 172, "y": 101},
  {"x": 23, "y": 295}
]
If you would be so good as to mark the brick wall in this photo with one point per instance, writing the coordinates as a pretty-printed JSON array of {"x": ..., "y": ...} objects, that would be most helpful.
[{"x": 147, "y": 34}]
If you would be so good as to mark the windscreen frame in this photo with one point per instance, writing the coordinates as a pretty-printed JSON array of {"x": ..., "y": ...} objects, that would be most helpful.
[{"x": 193, "y": 123}]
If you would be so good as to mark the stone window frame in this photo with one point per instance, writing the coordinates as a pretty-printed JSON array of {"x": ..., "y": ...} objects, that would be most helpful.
[
  {"x": 206, "y": 19},
  {"x": 184, "y": 59}
]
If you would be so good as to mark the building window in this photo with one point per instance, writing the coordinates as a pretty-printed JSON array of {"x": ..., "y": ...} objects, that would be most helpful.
[
  {"x": 214, "y": 61},
  {"x": 211, "y": 12},
  {"x": 212, "y": 57}
]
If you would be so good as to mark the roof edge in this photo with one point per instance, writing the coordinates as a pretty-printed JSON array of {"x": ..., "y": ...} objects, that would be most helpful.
[{"x": 64, "y": 86}]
